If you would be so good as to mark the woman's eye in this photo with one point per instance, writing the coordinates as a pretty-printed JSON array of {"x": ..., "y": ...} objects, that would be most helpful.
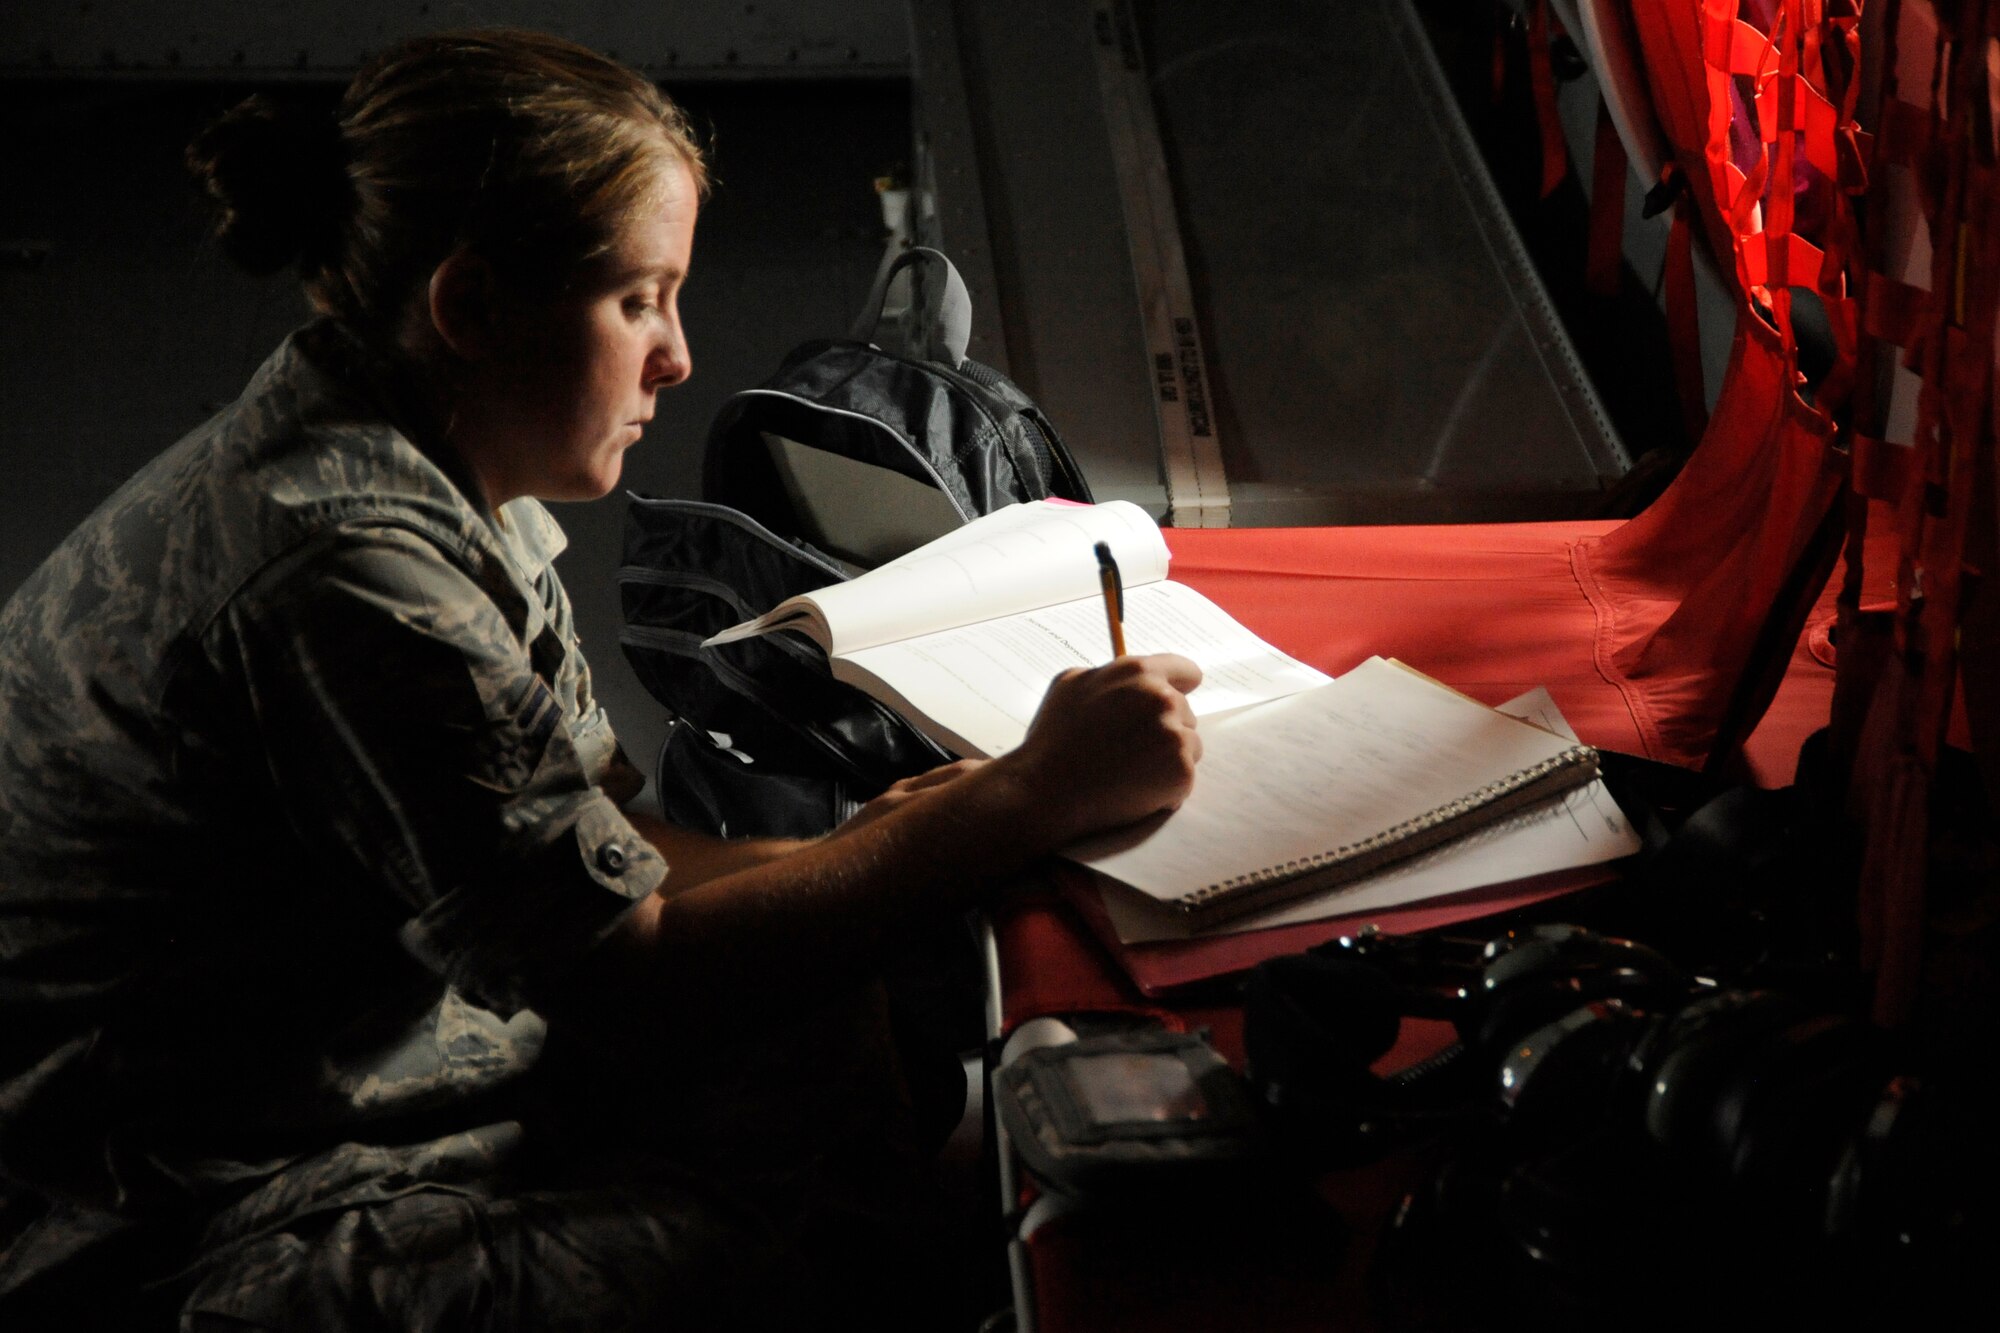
[{"x": 640, "y": 303}]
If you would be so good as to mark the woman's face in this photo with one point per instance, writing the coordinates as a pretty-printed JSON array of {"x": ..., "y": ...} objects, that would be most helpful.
[{"x": 572, "y": 382}]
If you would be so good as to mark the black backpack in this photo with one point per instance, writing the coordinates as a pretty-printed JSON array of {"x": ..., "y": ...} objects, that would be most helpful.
[{"x": 845, "y": 457}]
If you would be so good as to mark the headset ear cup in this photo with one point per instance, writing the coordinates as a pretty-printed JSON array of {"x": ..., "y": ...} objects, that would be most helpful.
[
  {"x": 1513, "y": 957},
  {"x": 1559, "y": 1074},
  {"x": 1510, "y": 1013},
  {"x": 1778, "y": 1117},
  {"x": 1524, "y": 985},
  {"x": 1696, "y": 1054}
]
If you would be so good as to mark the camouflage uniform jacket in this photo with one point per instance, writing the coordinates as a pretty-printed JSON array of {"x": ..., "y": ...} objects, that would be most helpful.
[{"x": 301, "y": 801}]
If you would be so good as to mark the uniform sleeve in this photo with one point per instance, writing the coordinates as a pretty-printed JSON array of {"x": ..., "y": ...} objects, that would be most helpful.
[
  {"x": 598, "y": 748},
  {"x": 419, "y": 750}
]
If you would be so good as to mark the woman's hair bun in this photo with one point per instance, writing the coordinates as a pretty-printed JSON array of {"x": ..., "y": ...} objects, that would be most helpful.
[{"x": 276, "y": 174}]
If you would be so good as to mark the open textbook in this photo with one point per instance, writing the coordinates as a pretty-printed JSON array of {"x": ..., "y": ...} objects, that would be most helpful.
[
  {"x": 1333, "y": 784},
  {"x": 963, "y": 635}
]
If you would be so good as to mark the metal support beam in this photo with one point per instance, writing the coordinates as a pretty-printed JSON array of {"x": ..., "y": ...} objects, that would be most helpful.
[{"x": 1190, "y": 450}]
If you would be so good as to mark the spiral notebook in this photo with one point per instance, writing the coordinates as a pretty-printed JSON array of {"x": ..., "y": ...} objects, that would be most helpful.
[{"x": 1331, "y": 784}]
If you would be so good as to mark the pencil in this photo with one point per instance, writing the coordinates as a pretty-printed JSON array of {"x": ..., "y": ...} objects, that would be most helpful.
[{"x": 1114, "y": 598}]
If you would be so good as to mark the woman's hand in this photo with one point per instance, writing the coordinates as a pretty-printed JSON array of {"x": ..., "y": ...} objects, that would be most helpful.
[{"x": 1110, "y": 746}]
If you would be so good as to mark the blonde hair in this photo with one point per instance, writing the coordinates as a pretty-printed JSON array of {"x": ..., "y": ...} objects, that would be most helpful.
[{"x": 523, "y": 148}]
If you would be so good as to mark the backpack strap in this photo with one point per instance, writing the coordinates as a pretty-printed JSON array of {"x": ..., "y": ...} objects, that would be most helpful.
[{"x": 942, "y": 327}]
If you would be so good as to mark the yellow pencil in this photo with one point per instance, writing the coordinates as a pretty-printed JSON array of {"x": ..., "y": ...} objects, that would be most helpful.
[{"x": 1114, "y": 598}]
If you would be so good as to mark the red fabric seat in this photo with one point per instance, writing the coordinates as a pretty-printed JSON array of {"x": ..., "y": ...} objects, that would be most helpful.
[
  {"x": 1483, "y": 607},
  {"x": 1492, "y": 610},
  {"x": 1641, "y": 630}
]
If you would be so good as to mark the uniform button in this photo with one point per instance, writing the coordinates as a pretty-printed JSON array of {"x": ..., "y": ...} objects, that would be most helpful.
[{"x": 611, "y": 859}]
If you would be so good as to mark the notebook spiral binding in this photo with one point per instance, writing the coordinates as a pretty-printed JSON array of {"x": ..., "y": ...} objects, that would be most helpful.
[{"x": 1410, "y": 831}]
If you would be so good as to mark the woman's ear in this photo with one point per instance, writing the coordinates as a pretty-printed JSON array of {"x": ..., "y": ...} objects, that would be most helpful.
[{"x": 464, "y": 306}]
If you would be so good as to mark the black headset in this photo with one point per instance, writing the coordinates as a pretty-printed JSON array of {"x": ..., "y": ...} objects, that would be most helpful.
[{"x": 1612, "y": 1117}]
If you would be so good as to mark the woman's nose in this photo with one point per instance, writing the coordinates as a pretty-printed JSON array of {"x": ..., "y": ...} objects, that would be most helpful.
[{"x": 669, "y": 363}]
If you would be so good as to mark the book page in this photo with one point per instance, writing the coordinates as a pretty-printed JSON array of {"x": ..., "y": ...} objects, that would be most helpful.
[
  {"x": 1308, "y": 775},
  {"x": 1015, "y": 559},
  {"x": 979, "y": 685},
  {"x": 1582, "y": 827}
]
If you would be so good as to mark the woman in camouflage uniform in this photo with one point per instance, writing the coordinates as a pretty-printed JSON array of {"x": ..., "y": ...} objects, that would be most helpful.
[{"x": 340, "y": 991}]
